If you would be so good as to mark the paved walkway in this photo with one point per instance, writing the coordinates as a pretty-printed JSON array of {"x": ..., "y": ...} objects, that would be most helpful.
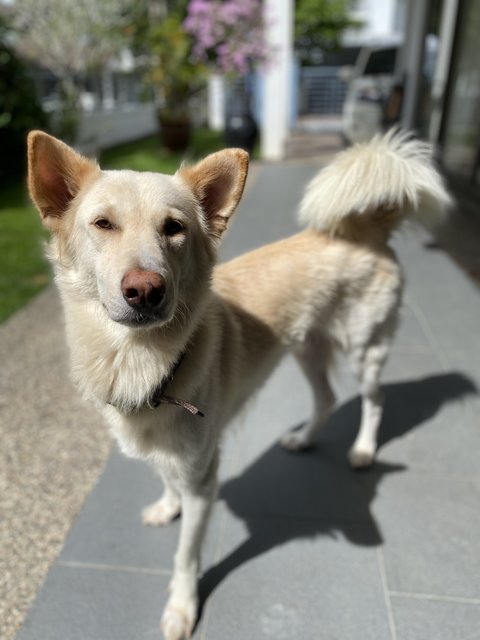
[{"x": 300, "y": 546}]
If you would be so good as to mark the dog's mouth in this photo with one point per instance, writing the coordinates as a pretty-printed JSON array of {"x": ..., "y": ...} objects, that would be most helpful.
[{"x": 140, "y": 318}]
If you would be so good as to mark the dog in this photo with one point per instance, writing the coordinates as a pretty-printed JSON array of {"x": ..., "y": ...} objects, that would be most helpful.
[{"x": 170, "y": 346}]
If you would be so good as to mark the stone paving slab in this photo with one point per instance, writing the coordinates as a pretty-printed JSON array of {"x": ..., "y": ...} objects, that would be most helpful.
[
  {"x": 418, "y": 617},
  {"x": 275, "y": 584},
  {"x": 433, "y": 546},
  {"x": 300, "y": 546},
  {"x": 95, "y": 603}
]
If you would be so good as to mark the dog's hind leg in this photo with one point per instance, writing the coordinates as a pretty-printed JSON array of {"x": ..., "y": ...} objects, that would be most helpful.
[
  {"x": 181, "y": 611},
  {"x": 313, "y": 358},
  {"x": 367, "y": 364}
]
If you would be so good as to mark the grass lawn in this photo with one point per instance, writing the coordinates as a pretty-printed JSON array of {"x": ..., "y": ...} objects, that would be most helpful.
[{"x": 23, "y": 269}]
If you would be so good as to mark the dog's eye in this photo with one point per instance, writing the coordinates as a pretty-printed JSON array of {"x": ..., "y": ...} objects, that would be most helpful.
[
  {"x": 173, "y": 227},
  {"x": 103, "y": 223}
]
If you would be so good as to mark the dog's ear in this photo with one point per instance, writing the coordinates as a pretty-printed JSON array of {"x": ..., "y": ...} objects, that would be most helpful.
[
  {"x": 217, "y": 182},
  {"x": 56, "y": 174}
]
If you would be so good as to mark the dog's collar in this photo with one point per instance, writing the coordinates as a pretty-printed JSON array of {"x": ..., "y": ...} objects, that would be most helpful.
[{"x": 157, "y": 397}]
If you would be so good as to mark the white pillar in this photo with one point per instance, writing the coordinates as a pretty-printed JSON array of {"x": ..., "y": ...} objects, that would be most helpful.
[
  {"x": 277, "y": 79},
  {"x": 216, "y": 102}
]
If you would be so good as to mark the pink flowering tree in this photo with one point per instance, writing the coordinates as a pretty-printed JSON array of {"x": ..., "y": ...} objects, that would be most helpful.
[{"x": 228, "y": 34}]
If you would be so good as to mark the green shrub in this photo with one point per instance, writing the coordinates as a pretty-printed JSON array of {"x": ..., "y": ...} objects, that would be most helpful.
[{"x": 20, "y": 109}]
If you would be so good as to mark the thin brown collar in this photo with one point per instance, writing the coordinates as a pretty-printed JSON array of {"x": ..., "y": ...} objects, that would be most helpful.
[{"x": 157, "y": 396}]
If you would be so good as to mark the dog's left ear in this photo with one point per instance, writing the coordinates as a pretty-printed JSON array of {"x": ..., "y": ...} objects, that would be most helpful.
[{"x": 217, "y": 182}]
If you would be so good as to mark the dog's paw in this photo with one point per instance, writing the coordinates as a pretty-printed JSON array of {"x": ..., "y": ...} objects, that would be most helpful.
[
  {"x": 361, "y": 458},
  {"x": 161, "y": 512},
  {"x": 295, "y": 441},
  {"x": 178, "y": 621}
]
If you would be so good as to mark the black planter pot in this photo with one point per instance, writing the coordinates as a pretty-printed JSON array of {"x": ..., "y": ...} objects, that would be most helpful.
[
  {"x": 241, "y": 131},
  {"x": 240, "y": 127}
]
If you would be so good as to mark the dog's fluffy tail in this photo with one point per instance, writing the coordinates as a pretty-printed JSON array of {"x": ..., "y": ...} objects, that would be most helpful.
[{"x": 370, "y": 188}]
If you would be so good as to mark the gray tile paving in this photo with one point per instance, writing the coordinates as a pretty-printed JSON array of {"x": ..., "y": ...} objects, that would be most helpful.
[
  {"x": 115, "y": 505},
  {"x": 432, "y": 534},
  {"x": 267, "y": 213},
  {"x": 97, "y": 604},
  {"x": 443, "y": 620},
  {"x": 300, "y": 546},
  {"x": 288, "y": 569},
  {"x": 410, "y": 337}
]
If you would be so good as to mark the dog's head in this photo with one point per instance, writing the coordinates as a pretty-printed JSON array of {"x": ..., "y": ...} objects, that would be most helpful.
[{"x": 140, "y": 245}]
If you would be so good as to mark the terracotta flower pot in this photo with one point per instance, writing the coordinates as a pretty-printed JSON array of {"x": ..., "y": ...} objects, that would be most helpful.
[{"x": 175, "y": 134}]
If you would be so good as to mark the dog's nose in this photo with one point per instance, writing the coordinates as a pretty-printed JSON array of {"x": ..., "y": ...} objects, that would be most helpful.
[{"x": 143, "y": 289}]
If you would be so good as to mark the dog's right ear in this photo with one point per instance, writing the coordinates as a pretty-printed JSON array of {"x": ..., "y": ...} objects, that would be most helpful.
[{"x": 56, "y": 174}]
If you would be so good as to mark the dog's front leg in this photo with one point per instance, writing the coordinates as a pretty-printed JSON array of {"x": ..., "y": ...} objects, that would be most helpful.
[
  {"x": 181, "y": 612},
  {"x": 164, "y": 510}
]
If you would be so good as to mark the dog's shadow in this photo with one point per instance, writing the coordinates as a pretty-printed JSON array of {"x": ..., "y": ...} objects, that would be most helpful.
[{"x": 283, "y": 496}]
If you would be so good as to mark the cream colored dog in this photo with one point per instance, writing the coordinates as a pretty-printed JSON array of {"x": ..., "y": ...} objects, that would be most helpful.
[{"x": 159, "y": 337}]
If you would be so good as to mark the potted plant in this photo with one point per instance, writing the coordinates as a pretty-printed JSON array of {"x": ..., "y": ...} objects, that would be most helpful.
[{"x": 164, "y": 48}]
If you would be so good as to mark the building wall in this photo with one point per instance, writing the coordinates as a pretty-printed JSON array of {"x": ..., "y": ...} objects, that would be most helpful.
[
  {"x": 444, "y": 108},
  {"x": 381, "y": 21},
  {"x": 103, "y": 129}
]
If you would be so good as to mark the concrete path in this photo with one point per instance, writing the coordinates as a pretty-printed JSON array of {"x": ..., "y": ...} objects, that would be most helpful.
[
  {"x": 52, "y": 450},
  {"x": 300, "y": 546}
]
